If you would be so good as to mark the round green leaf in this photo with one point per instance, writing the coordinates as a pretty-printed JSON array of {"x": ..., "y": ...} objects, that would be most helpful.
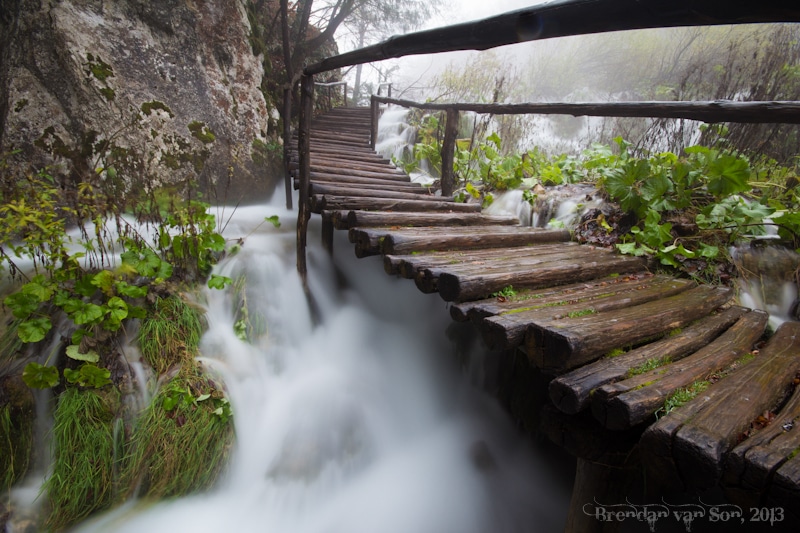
[
  {"x": 34, "y": 330},
  {"x": 39, "y": 376},
  {"x": 73, "y": 352}
]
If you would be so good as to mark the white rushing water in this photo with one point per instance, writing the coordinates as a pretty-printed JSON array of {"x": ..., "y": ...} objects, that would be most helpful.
[{"x": 363, "y": 423}]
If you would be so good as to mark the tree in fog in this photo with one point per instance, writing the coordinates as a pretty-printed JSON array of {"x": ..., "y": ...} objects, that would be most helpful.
[{"x": 375, "y": 20}]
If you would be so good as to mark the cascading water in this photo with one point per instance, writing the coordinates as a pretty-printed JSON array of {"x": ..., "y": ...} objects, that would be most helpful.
[{"x": 362, "y": 423}]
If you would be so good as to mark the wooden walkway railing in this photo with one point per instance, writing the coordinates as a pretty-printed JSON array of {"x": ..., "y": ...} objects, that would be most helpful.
[{"x": 574, "y": 307}]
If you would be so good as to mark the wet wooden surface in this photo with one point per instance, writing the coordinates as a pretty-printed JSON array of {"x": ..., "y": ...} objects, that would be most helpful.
[{"x": 613, "y": 340}]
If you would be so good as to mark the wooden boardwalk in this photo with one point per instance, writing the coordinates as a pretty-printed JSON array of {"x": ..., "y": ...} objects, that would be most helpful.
[{"x": 618, "y": 341}]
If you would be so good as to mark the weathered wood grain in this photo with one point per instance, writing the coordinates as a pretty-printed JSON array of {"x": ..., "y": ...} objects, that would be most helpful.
[
  {"x": 456, "y": 287},
  {"x": 631, "y": 401},
  {"x": 507, "y": 329},
  {"x": 701, "y": 444},
  {"x": 319, "y": 188},
  {"x": 353, "y": 219},
  {"x": 571, "y": 392},
  {"x": 329, "y": 202},
  {"x": 580, "y": 340},
  {"x": 750, "y": 466}
]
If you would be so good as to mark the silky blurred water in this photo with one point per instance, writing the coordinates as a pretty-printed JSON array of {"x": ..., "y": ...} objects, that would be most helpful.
[{"x": 365, "y": 422}]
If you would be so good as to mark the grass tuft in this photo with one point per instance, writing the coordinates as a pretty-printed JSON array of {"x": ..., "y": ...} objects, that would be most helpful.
[
  {"x": 83, "y": 466},
  {"x": 170, "y": 335},
  {"x": 681, "y": 397},
  {"x": 647, "y": 366},
  {"x": 182, "y": 441}
]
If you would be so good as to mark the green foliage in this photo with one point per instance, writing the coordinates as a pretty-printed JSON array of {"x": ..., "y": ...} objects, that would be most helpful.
[
  {"x": 16, "y": 439},
  {"x": 38, "y": 376},
  {"x": 647, "y": 366},
  {"x": 88, "y": 375},
  {"x": 170, "y": 335},
  {"x": 83, "y": 467},
  {"x": 183, "y": 439},
  {"x": 201, "y": 132},
  {"x": 505, "y": 293},
  {"x": 681, "y": 397}
]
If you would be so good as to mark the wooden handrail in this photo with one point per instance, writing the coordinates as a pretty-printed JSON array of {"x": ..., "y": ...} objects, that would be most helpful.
[
  {"x": 563, "y": 18},
  {"x": 772, "y": 112}
]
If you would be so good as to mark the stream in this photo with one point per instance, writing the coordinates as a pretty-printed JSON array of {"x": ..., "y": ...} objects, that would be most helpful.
[{"x": 369, "y": 421}]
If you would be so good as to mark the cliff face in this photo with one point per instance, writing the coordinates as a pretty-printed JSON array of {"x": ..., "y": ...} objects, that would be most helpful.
[{"x": 142, "y": 91}]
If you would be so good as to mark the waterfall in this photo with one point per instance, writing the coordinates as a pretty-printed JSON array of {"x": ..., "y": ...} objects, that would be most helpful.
[{"x": 363, "y": 423}]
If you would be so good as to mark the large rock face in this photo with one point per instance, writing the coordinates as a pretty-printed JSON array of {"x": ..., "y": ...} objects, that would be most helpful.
[{"x": 157, "y": 92}]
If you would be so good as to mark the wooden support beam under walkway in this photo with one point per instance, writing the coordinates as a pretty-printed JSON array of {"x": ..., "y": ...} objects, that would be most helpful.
[{"x": 614, "y": 342}]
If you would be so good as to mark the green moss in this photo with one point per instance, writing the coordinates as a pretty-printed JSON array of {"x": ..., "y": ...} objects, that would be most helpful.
[
  {"x": 108, "y": 92},
  {"x": 682, "y": 396},
  {"x": 155, "y": 105},
  {"x": 170, "y": 335},
  {"x": 582, "y": 312},
  {"x": 20, "y": 105},
  {"x": 99, "y": 68},
  {"x": 647, "y": 366},
  {"x": 183, "y": 439},
  {"x": 83, "y": 465},
  {"x": 506, "y": 292},
  {"x": 201, "y": 132},
  {"x": 616, "y": 352}
]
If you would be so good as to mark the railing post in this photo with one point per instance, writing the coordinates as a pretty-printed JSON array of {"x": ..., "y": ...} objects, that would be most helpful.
[
  {"x": 304, "y": 151},
  {"x": 287, "y": 135},
  {"x": 448, "y": 152},
  {"x": 375, "y": 116}
]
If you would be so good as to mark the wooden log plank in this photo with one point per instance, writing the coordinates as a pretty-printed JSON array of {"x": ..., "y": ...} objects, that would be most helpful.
[
  {"x": 329, "y": 202},
  {"x": 534, "y": 261},
  {"x": 571, "y": 392},
  {"x": 630, "y": 402},
  {"x": 332, "y": 147},
  {"x": 462, "y": 238},
  {"x": 332, "y": 176},
  {"x": 785, "y": 490},
  {"x": 507, "y": 330},
  {"x": 701, "y": 444},
  {"x": 323, "y": 164},
  {"x": 408, "y": 266},
  {"x": 584, "y": 339},
  {"x": 398, "y": 241},
  {"x": 373, "y": 184},
  {"x": 460, "y": 287},
  {"x": 343, "y": 170},
  {"x": 353, "y": 219},
  {"x": 750, "y": 466},
  {"x": 318, "y": 188},
  {"x": 477, "y": 309}
]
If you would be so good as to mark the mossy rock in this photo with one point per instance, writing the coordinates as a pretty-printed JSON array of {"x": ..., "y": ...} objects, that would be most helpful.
[
  {"x": 82, "y": 481},
  {"x": 17, "y": 416}
]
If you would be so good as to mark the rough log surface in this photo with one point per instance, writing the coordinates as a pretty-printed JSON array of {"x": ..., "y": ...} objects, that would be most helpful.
[
  {"x": 330, "y": 202},
  {"x": 406, "y": 241},
  {"x": 352, "y": 219},
  {"x": 583, "y": 263},
  {"x": 701, "y": 444},
  {"x": 507, "y": 329},
  {"x": 571, "y": 392},
  {"x": 632, "y": 401},
  {"x": 580, "y": 340}
]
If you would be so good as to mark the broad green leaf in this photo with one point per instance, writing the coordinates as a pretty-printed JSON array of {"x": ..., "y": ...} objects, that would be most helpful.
[
  {"x": 117, "y": 308},
  {"x": 22, "y": 305},
  {"x": 203, "y": 397},
  {"x": 274, "y": 220},
  {"x": 73, "y": 352},
  {"x": 131, "y": 291},
  {"x": 87, "y": 313},
  {"x": 34, "y": 329},
  {"x": 219, "y": 282},
  {"x": 38, "y": 376},
  {"x": 39, "y": 288},
  {"x": 103, "y": 280}
]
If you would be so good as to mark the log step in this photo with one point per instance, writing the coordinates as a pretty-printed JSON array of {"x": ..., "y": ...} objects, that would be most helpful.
[
  {"x": 506, "y": 329},
  {"x": 560, "y": 267},
  {"x": 632, "y": 401},
  {"x": 689, "y": 445},
  {"x": 327, "y": 202},
  {"x": 393, "y": 240},
  {"x": 352, "y": 219},
  {"x": 571, "y": 392},
  {"x": 578, "y": 340},
  {"x": 347, "y": 181},
  {"x": 324, "y": 188}
]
